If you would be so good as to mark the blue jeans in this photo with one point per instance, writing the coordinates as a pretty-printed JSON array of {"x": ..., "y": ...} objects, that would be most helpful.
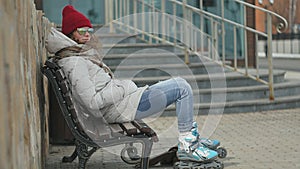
[{"x": 162, "y": 94}]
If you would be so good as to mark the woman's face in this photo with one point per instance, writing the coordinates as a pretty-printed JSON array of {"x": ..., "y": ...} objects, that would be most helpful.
[{"x": 82, "y": 35}]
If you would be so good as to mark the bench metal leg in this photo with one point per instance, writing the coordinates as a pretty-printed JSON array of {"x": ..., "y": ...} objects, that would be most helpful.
[
  {"x": 69, "y": 159},
  {"x": 147, "y": 146},
  {"x": 83, "y": 154}
]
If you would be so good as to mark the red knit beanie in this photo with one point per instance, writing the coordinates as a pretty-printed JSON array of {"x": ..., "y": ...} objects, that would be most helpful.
[{"x": 72, "y": 19}]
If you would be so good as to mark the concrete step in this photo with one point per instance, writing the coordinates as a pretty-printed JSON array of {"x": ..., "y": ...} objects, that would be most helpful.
[
  {"x": 117, "y": 38},
  {"x": 137, "y": 48},
  {"x": 155, "y": 70},
  {"x": 150, "y": 58},
  {"x": 242, "y": 106},
  {"x": 247, "y": 92},
  {"x": 147, "y": 64},
  {"x": 215, "y": 80},
  {"x": 105, "y": 29},
  {"x": 102, "y": 29},
  {"x": 257, "y": 104}
]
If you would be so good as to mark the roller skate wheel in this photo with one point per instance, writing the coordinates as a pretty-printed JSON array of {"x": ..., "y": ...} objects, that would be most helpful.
[
  {"x": 220, "y": 165},
  {"x": 222, "y": 152},
  {"x": 213, "y": 165},
  {"x": 182, "y": 165},
  {"x": 194, "y": 165}
]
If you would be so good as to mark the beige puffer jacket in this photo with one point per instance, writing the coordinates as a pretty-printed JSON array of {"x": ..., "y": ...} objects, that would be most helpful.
[{"x": 93, "y": 90}]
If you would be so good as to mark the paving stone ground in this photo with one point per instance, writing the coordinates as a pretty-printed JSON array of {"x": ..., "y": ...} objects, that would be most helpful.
[{"x": 258, "y": 140}]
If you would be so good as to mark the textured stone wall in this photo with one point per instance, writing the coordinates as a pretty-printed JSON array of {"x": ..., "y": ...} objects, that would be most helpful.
[{"x": 23, "y": 117}]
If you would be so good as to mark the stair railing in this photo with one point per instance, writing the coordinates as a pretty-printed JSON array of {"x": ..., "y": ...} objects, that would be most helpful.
[
  {"x": 156, "y": 25},
  {"x": 280, "y": 27}
]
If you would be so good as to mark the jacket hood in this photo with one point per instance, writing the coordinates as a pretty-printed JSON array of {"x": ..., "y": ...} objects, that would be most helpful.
[{"x": 57, "y": 41}]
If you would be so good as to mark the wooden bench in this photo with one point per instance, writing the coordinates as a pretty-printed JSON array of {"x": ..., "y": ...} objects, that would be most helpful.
[{"x": 108, "y": 134}]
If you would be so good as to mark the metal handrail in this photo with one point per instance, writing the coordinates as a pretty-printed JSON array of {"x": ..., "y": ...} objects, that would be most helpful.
[
  {"x": 279, "y": 26},
  {"x": 189, "y": 37}
]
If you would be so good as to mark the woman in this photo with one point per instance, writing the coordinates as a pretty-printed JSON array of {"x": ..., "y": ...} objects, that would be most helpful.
[{"x": 96, "y": 91}]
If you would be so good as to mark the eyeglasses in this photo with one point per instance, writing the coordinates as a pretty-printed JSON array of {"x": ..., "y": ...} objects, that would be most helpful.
[{"x": 82, "y": 31}]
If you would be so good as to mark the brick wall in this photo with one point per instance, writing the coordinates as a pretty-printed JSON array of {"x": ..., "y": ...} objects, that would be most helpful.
[
  {"x": 23, "y": 121},
  {"x": 251, "y": 36},
  {"x": 281, "y": 7},
  {"x": 250, "y": 17}
]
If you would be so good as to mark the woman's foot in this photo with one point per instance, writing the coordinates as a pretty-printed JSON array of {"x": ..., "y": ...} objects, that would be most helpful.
[
  {"x": 190, "y": 149},
  {"x": 211, "y": 144}
]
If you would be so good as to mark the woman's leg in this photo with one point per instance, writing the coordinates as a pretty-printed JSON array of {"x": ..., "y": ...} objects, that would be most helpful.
[
  {"x": 177, "y": 91},
  {"x": 162, "y": 94}
]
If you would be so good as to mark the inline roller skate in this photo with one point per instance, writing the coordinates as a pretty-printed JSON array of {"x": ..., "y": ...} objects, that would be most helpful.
[
  {"x": 211, "y": 144},
  {"x": 194, "y": 155}
]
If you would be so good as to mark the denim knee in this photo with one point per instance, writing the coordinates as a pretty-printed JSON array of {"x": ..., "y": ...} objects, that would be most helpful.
[{"x": 183, "y": 85}]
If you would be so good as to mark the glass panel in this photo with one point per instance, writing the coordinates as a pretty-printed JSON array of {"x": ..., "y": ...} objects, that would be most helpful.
[{"x": 93, "y": 9}]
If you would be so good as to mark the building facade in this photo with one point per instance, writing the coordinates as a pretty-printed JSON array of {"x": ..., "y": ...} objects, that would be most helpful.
[{"x": 289, "y": 9}]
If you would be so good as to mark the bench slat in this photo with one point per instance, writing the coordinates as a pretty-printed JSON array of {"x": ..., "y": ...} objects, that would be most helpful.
[
  {"x": 68, "y": 99},
  {"x": 116, "y": 129},
  {"x": 144, "y": 128},
  {"x": 64, "y": 86},
  {"x": 60, "y": 75},
  {"x": 51, "y": 64},
  {"x": 129, "y": 128}
]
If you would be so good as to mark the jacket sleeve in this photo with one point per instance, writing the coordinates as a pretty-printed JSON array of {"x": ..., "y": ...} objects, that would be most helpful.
[{"x": 82, "y": 86}]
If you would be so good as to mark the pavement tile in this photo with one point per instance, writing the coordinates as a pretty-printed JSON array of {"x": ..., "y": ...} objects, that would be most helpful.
[{"x": 258, "y": 140}]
